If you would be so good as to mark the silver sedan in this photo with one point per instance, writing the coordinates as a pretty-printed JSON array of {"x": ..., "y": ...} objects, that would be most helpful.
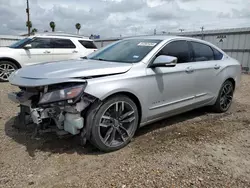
[{"x": 107, "y": 95}]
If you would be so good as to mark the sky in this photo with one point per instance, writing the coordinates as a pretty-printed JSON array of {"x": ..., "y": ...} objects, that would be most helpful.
[{"x": 112, "y": 18}]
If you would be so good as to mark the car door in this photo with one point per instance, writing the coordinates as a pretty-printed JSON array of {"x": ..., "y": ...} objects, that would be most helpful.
[
  {"x": 206, "y": 70},
  {"x": 40, "y": 51},
  {"x": 64, "y": 49},
  {"x": 171, "y": 89}
]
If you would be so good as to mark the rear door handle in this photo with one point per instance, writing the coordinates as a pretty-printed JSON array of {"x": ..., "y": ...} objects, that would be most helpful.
[
  {"x": 189, "y": 70},
  {"x": 74, "y": 51},
  {"x": 46, "y": 52},
  {"x": 217, "y": 67}
]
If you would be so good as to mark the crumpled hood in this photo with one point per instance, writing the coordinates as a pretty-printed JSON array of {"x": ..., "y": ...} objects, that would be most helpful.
[{"x": 56, "y": 72}]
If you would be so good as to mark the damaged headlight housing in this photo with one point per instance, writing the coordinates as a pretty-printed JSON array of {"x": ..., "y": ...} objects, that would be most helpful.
[{"x": 69, "y": 94}]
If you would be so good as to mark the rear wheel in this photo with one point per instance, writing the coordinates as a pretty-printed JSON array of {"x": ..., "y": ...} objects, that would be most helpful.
[
  {"x": 225, "y": 97},
  {"x": 6, "y": 68},
  {"x": 115, "y": 123}
]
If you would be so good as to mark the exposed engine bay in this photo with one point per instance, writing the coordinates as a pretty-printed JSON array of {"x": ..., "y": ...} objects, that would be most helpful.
[{"x": 58, "y": 107}]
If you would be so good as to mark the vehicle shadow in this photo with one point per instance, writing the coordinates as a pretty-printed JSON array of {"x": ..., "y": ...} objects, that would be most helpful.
[{"x": 49, "y": 142}]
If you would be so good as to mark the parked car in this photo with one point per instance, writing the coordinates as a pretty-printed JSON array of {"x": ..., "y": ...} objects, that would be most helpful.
[
  {"x": 133, "y": 82},
  {"x": 42, "y": 48}
]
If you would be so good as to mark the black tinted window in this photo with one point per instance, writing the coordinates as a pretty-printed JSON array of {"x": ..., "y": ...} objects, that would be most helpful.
[
  {"x": 88, "y": 44},
  {"x": 41, "y": 43},
  {"x": 63, "y": 43},
  {"x": 177, "y": 49},
  {"x": 217, "y": 55},
  {"x": 202, "y": 52}
]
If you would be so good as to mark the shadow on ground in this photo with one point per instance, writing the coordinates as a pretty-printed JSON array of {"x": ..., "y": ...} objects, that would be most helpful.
[{"x": 50, "y": 142}]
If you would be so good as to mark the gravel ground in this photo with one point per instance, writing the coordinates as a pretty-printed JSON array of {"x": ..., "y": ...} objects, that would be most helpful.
[{"x": 196, "y": 149}]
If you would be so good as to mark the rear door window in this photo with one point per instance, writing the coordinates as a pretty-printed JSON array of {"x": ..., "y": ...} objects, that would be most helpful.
[
  {"x": 179, "y": 49},
  {"x": 63, "y": 43},
  {"x": 88, "y": 44},
  {"x": 202, "y": 52}
]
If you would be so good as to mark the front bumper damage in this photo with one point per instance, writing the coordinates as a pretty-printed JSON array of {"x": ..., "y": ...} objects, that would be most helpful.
[{"x": 63, "y": 118}]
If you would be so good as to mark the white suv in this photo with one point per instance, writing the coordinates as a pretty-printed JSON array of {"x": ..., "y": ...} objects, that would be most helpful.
[{"x": 43, "y": 48}]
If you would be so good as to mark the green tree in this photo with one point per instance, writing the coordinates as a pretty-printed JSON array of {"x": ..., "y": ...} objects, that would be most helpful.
[
  {"x": 34, "y": 31},
  {"x": 52, "y": 25},
  {"x": 78, "y": 27},
  {"x": 29, "y": 24}
]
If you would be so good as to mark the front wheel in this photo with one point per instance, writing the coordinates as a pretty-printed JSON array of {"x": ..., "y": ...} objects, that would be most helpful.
[
  {"x": 6, "y": 68},
  {"x": 115, "y": 123},
  {"x": 225, "y": 97}
]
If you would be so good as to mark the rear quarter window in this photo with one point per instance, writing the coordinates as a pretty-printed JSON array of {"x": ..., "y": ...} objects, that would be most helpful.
[
  {"x": 88, "y": 44},
  {"x": 217, "y": 55}
]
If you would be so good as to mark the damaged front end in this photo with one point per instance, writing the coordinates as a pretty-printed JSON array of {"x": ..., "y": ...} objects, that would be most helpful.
[{"x": 57, "y": 107}]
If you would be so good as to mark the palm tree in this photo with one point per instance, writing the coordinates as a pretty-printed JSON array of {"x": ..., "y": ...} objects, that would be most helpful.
[
  {"x": 29, "y": 24},
  {"x": 78, "y": 27},
  {"x": 52, "y": 25},
  {"x": 34, "y": 31}
]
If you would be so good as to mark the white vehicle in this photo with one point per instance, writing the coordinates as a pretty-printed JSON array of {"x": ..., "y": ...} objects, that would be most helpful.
[{"x": 42, "y": 48}]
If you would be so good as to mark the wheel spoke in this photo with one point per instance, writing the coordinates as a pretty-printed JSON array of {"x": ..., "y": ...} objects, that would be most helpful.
[
  {"x": 121, "y": 135},
  {"x": 108, "y": 135},
  {"x": 229, "y": 90},
  {"x": 129, "y": 120},
  {"x": 112, "y": 138},
  {"x": 105, "y": 125},
  {"x": 116, "y": 106},
  {"x": 125, "y": 130},
  {"x": 221, "y": 101},
  {"x": 107, "y": 117},
  {"x": 11, "y": 70},
  {"x": 229, "y": 100},
  {"x": 224, "y": 90},
  {"x": 127, "y": 114}
]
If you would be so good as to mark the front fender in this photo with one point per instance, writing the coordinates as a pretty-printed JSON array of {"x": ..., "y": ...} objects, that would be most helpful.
[{"x": 102, "y": 88}]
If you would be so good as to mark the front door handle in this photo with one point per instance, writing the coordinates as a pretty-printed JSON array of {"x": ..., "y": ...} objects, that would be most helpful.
[
  {"x": 217, "y": 67},
  {"x": 189, "y": 70},
  {"x": 46, "y": 52},
  {"x": 74, "y": 51}
]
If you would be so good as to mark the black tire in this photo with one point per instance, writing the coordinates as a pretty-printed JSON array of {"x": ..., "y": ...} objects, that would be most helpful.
[
  {"x": 6, "y": 67},
  {"x": 99, "y": 134},
  {"x": 218, "y": 106}
]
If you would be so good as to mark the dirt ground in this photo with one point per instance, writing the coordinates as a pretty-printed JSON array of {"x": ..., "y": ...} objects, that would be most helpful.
[{"x": 196, "y": 149}]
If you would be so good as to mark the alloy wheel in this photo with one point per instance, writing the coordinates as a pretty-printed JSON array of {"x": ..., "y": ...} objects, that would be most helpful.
[
  {"x": 226, "y": 96},
  {"x": 5, "y": 71},
  {"x": 116, "y": 125}
]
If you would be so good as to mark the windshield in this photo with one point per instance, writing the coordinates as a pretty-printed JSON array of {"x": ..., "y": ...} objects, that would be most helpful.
[
  {"x": 20, "y": 43},
  {"x": 126, "y": 51}
]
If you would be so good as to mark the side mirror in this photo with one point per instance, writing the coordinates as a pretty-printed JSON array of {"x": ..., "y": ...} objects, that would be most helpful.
[
  {"x": 164, "y": 61},
  {"x": 27, "y": 46}
]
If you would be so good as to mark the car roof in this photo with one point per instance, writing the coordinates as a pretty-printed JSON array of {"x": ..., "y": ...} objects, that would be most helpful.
[
  {"x": 61, "y": 35},
  {"x": 170, "y": 37},
  {"x": 165, "y": 37}
]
